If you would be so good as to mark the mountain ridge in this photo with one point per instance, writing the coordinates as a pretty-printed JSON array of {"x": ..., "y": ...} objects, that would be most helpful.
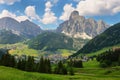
[
  {"x": 25, "y": 28},
  {"x": 79, "y": 27},
  {"x": 108, "y": 38}
]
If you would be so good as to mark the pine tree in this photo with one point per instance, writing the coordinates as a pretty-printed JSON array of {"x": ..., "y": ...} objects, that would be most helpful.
[
  {"x": 12, "y": 61},
  {"x": 119, "y": 60},
  {"x": 23, "y": 64},
  {"x": 60, "y": 69},
  {"x": 64, "y": 71},
  {"x": 71, "y": 72},
  {"x": 41, "y": 66},
  {"x": 30, "y": 64},
  {"x": 19, "y": 64},
  {"x": 49, "y": 66}
]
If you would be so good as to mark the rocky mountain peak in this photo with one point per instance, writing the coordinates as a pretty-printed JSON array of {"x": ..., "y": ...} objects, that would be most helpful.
[
  {"x": 79, "y": 27},
  {"x": 74, "y": 15},
  {"x": 91, "y": 20},
  {"x": 101, "y": 22}
]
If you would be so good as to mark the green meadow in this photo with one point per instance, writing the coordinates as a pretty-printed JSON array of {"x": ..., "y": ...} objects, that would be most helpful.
[{"x": 91, "y": 71}]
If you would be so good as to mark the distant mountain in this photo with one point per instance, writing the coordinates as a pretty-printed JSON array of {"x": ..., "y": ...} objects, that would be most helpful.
[
  {"x": 50, "y": 41},
  {"x": 24, "y": 28},
  {"x": 8, "y": 37},
  {"x": 79, "y": 27},
  {"x": 108, "y": 38},
  {"x": 30, "y": 29}
]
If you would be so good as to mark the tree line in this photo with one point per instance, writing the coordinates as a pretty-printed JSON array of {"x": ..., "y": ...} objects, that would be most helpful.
[
  {"x": 75, "y": 63},
  {"x": 109, "y": 58},
  {"x": 29, "y": 64},
  {"x": 26, "y": 64}
]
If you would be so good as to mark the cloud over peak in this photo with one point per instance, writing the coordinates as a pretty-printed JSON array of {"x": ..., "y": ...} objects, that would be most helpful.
[
  {"x": 68, "y": 8},
  {"x": 6, "y": 13},
  {"x": 92, "y": 8}
]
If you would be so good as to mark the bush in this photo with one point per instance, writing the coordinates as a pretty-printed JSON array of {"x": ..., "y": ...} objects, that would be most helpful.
[
  {"x": 108, "y": 72},
  {"x": 103, "y": 65},
  {"x": 71, "y": 72}
]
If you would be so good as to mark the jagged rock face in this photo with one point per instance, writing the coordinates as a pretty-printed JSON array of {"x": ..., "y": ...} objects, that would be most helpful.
[
  {"x": 79, "y": 27},
  {"x": 25, "y": 28}
]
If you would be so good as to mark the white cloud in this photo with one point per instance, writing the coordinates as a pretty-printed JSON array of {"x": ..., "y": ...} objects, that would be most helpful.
[
  {"x": 67, "y": 11},
  {"x": 8, "y": 2},
  {"x": 53, "y": 1},
  {"x": 92, "y": 8},
  {"x": 98, "y": 7},
  {"x": 48, "y": 17},
  {"x": 22, "y": 18},
  {"x": 6, "y": 13},
  {"x": 31, "y": 13}
]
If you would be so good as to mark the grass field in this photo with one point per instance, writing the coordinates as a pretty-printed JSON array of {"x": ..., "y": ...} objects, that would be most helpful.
[
  {"x": 7, "y": 73},
  {"x": 91, "y": 64}
]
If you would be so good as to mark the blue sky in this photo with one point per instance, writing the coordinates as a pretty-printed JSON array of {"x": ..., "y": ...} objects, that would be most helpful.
[{"x": 48, "y": 14}]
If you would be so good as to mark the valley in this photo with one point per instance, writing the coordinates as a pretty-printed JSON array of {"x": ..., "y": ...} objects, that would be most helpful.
[
  {"x": 59, "y": 40},
  {"x": 23, "y": 49}
]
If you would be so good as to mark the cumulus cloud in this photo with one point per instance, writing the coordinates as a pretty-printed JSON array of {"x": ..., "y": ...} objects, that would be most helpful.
[
  {"x": 22, "y": 18},
  {"x": 68, "y": 8},
  {"x": 8, "y": 2},
  {"x": 49, "y": 16},
  {"x": 98, "y": 7},
  {"x": 6, "y": 13},
  {"x": 92, "y": 8},
  {"x": 53, "y": 1},
  {"x": 31, "y": 13}
]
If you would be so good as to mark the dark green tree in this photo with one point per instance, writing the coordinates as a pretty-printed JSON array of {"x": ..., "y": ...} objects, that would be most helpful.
[
  {"x": 41, "y": 66},
  {"x": 30, "y": 64},
  {"x": 60, "y": 69},
  {"x": 109, "y": 58},
  {"x": 12, "y": 61},
  {"x": 71, "y": 72}
]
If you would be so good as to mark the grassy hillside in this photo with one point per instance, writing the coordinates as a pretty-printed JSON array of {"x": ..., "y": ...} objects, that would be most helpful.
[
  {"x": 19, "y": 49},
  {"x": 81, "y": 74},
  {"x": 101, "y": 51},
  {"x": 7, "y": 37},
  {"x": 108, "y": 38},
  {"x": 50, "y": 41},
  {"x": 91, "y": 64},
  {"x": 23, "y": 49},
  {"x": 98, "y": 52},
  {"x": 65, "y": 52}
]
